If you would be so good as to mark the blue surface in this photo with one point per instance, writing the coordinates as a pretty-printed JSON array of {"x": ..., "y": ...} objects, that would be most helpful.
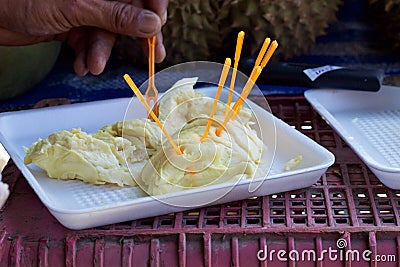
[
  {"x": 62, "y": 82},
  {"x": 351, "y": 41}
]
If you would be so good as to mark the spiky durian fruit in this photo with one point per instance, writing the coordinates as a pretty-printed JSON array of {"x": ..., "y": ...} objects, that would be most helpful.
[
  {"x": 192, "y": 31},
  {"x": 387, "y": 19},
  {"x": 208, "y": 29},
  {"x": 294, "y": 23}
]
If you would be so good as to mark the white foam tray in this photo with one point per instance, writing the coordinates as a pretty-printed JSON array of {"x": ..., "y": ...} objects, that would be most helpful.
[
  {"x": 369, "y": 122},
  {"x": 78, "y": 205}
]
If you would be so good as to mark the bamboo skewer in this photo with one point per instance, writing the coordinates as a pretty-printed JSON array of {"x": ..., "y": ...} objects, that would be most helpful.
[
  {"x": 221, "y": 84},
  {"x": 139, "y": 95}
]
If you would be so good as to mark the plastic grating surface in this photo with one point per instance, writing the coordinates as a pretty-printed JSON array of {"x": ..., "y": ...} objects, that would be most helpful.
[
  {"x": 382, "y": 130},
  {"x": 348, "y": 203},
  {"x": 89, "y": 196}
]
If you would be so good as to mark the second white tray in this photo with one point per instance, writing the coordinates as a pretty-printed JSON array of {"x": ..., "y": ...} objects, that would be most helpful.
[{"x": 369, "y": 122}]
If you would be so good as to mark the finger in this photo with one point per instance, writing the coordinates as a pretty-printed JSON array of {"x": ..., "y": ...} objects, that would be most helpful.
[
  {"x": 99, "y": 50},
  {"x": 159, "y": 7},
  {"x": 115, "y": 17},
  {"x": 78, "y": 40},
  {"x": 160, "y": 52},
  {"x": 159, "y": 49},
  {"x": 80, "y": 66}
]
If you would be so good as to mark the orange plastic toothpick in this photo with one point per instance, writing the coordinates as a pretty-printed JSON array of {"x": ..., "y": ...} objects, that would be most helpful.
[
  {"x": 239, "y": 45},
  {"x": 239, "y": 103},
  {"x": 152, "y": 92},
  {"x": 245, "y": 92},
  {"x": 139, "y": 95},
  {"x": 261, "y": 54},
  {"x": 268, "y": 56},
  {"x": 262, "y": 60},
  {"x": 221, "y": 84}
]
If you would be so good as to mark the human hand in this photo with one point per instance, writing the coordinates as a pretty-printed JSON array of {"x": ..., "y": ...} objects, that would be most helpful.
[{"x": 88, "y": 26}]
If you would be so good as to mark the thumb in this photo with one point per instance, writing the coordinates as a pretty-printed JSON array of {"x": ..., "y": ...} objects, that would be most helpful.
[{"x": 117, "y": 17}]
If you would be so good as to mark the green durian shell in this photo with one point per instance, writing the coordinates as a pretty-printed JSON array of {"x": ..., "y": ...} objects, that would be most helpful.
[{"x": 207, "y": 30}]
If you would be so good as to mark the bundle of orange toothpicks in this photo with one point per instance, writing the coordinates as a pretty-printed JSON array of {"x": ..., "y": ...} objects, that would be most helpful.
[{"x": 265, "y": 54}]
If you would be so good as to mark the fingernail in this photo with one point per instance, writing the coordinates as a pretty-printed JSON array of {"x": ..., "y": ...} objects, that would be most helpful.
[
  {"x": 84, "y": 72},
  {"x": 148, "y": 21},
  {"x": 97, "y": 65},
  {"x": 81, "y": 72},
  {"x": 80, "y": 66}
]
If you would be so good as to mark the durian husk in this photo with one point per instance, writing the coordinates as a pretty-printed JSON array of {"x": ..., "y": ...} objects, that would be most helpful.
[
  {"x": 192, "y": 31},
  {"x": 386, "y": 15},
  {"x": 207, "y": 30},
  {"x": 294, "y": 24}
]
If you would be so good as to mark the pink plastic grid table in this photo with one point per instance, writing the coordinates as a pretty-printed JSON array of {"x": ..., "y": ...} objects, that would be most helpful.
[{"x": 348, "y": 210}]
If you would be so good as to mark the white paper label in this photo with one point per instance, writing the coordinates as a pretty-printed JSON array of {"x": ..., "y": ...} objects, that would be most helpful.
[{"x": 316, "y": 72}]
